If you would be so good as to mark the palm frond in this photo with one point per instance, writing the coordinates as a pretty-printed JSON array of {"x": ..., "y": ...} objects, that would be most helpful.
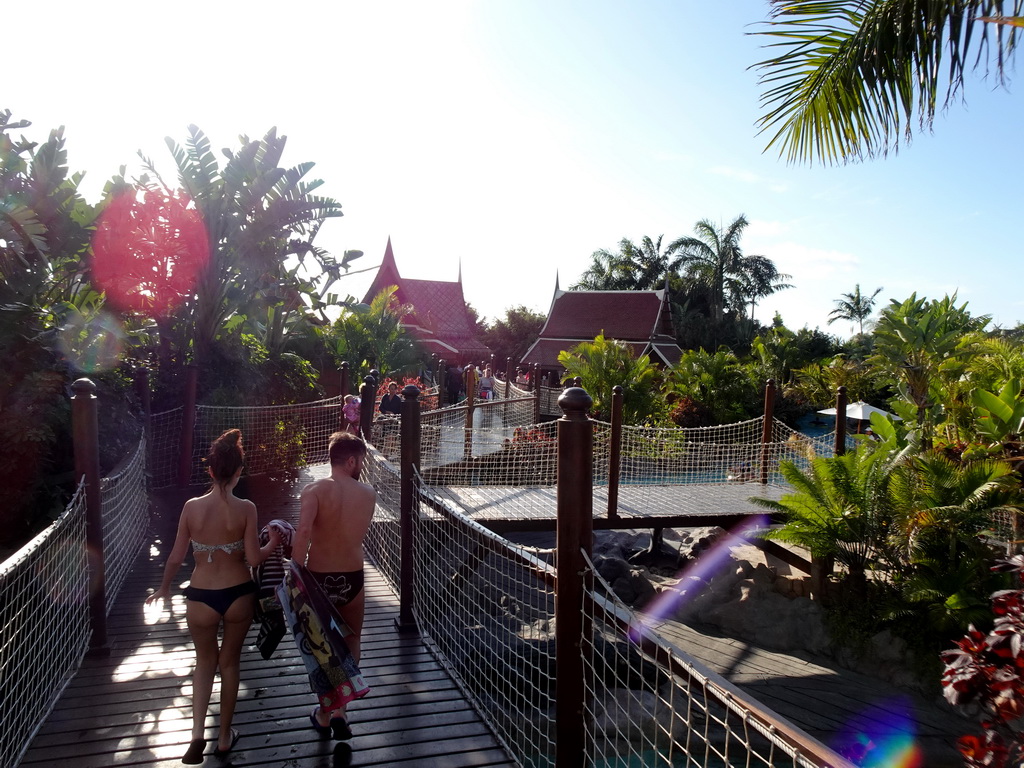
[{"x": 851, "y": 76}]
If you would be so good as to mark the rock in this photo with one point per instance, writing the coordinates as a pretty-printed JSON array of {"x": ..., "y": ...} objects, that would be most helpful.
[{"x": 611, "y": 568}]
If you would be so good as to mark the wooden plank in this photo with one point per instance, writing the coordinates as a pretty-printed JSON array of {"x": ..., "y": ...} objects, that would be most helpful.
[{"x": 133, "y": 707}]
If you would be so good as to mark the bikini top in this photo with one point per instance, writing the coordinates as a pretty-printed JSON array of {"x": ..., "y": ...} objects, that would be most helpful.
[{"x": 233, "y": 546}]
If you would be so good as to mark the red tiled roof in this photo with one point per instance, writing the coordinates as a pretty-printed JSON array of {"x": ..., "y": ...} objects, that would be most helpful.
[
  {"x": 639, "y": 319},
  {"x": 544, "y": 352},
  {"x": 439, "y": 318},
  {"x": 624, "y": 315}
]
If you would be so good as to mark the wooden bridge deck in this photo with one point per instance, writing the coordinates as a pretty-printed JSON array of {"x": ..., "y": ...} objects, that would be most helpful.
[{"x": 133, "y": 707}]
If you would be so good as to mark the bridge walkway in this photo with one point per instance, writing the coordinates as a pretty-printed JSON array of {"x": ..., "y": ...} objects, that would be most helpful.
[{"x": 132, "y": 707}]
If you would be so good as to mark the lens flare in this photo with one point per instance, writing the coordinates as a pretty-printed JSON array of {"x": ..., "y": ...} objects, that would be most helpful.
[
  {"x": 888, "y": 742},
  {"x": 92, "y": 344},
  {"x": 698, "y": 571},
  {"x": 148, "y": 252}
]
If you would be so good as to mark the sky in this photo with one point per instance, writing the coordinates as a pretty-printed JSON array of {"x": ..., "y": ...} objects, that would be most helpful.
[{"x": 510, "y": 139}]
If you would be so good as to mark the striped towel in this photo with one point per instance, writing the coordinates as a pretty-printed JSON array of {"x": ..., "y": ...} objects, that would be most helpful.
[{"x": 270, "y": 572}]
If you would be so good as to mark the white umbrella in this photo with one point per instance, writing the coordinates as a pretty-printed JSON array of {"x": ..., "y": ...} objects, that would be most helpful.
[{"x": 860, "y": 411}]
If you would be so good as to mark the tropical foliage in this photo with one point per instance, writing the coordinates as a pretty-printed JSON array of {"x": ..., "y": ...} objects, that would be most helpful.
[
  {"x": 855, "y": 307},
  {"x": 258, "y": 216},
  {"x": 984, "y": 672},
  {"x": 603, "y": 364},
  {"x": 641, "y": 267},
  {"x": 373, "y": 338},
  {"x": 718, "y": 382},
  {"x": 849, "y": 78},
  {"x": 510, "y": 337},
  {"x": 713, "y": 286},
  {"x": 53, "y": 329},
  {"x": 924, "y": 346}
]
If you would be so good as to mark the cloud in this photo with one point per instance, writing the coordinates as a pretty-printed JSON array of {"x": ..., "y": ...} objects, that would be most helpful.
[
  {"x": 747, "y": 177},
  {"x": 760, "y": 229},
  {"x": 812, "y": 263}
]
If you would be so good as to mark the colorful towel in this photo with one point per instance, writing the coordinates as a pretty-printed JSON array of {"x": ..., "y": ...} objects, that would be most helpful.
[{"x": 319, "y": 634}]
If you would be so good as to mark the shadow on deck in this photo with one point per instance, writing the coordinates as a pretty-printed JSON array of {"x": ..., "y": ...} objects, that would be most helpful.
[{"x": 133, "y": 707}]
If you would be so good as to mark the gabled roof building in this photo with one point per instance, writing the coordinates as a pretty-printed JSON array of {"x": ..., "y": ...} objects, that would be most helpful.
[
  {"x": 439, "y": 320},
  {"x": 642, "y": 320}
]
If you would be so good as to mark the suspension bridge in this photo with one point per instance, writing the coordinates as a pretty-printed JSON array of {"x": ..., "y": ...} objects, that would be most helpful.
[{"x": 463, "y": 634}]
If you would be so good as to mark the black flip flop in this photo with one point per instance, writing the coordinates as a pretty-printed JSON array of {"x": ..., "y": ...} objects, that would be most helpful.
[
  {"x": 340, "y": 729},
  {"x": 323, "y": 731},
  {"x": 222, "y": 753},
  {"x": 194, "y": 754}
]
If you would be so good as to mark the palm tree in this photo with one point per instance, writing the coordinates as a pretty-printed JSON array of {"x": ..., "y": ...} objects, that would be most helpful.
[
  {"x": 853, "y": 75},
  {"x": 713, "y": 258},
  {"x": 716, "y": 380},
  {"x": 759, "y": 278},
  {"x": 374, "y": 337},
  {"x": 923, "y": 345},
  {"x": 633, "y": 268},
  {"x": 838, "y": 508},
  {"x": 604, "y": 363},
  {"x": 855, "y": 307},
  {"x": 257, "y": 216},
  {"x": 608, "y": 271}
]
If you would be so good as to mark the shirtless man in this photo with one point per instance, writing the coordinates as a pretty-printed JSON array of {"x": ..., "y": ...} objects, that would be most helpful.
[{"x": 334, "y": 515}]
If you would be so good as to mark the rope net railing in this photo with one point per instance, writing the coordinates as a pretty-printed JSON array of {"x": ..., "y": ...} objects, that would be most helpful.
[
  {"x": 485, "y": 607},
  {"x": 125, "y": 515},
  {"x": 648, "y": 704},
  {"x": 164, "y": 447},
  {"x": 662, "y": 470},
  {"x": 278, "y": 439},
  {"x": 383, "y": 538},
  {"x": 500, "y": 451},
  {"x": 44, "y": 626}
]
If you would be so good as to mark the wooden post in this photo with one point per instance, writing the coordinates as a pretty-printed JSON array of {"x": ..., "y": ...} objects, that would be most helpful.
[
  {"x": 346, "y": 382},
  {"x": 470, "y": 379},
  {"x": 85, "y": 432},
  {"x": 410, "y": 461},
  {"x": 766, "y": 427},
  {"x": 615, "y": 453},
  {"x": 508, "y": 377},
  {"x": 535, "y": 378},
  {"x": 840, "y": 421},
  {"x": 141, "y": 381},
  {"x": 442, "y": 383},
  {"x": 188, "y": 425},
  {"x": 822, "y": 567},
  {"x": 574, "y": 537},
  {"x": 367, "y": 396}
]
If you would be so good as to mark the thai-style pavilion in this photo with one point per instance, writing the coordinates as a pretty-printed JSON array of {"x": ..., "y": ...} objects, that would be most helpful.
[
  {"x": 642, "y": 320},
  {"x": 439, "y": 319}
]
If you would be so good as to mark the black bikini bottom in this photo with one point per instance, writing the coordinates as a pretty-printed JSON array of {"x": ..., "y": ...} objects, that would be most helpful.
[
  {"x": 341, "y": 587},
  {"x": 221, "y": 599}
]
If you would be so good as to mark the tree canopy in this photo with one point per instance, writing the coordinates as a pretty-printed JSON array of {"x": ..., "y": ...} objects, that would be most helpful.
[{"x": 849, "y": 78}]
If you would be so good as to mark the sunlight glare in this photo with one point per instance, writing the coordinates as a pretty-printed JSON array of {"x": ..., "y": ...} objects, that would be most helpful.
[
  {"x": 696, "y": 574},
  {"x": 91, "y": 345},
  {"x": 890, "y": 744}
]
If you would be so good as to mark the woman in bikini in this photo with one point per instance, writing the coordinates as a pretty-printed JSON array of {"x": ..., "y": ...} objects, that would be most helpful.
[{"x": 223, "y": 532}]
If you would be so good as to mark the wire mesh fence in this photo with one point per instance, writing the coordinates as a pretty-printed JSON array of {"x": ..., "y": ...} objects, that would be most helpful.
[
  {"x": 164, "y": 447},
  {"x": 486, "y": 607},
  {"x": 383, "y": 539},
  {"x": 649, "y": 705},
  {"x": 44, "y": 626},
  {"x": 278, "y": 439},
  {"x": 125, "y": 514}
]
